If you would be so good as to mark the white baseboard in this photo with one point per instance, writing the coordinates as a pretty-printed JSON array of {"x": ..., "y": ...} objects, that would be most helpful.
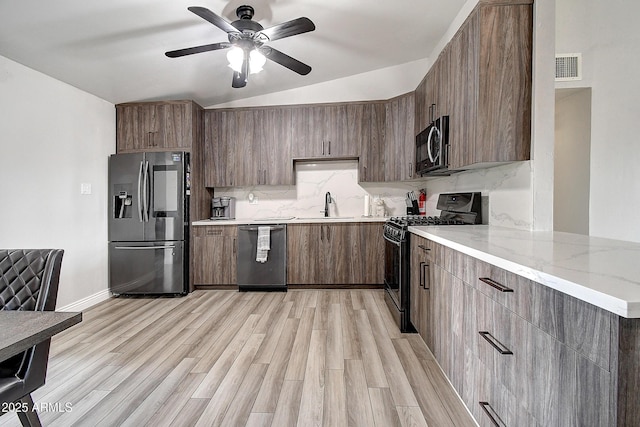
[{"x": 87, "y": 302}]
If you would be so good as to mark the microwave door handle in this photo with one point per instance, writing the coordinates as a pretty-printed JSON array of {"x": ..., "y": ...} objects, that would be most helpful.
[
  {"x": 431, "y": 158},
  {"x": 146, "y": 191},
  {"x": 139, "y": 191}
]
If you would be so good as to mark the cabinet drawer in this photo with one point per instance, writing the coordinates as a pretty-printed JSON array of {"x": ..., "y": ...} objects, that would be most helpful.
[
  {"x": 493, "y": 404},
  {"x": 579, "y": 325},
  {"x": 508, "y": 289},
  {"x": 503, "y": 343},
  {"x": 217, "y": 230},
  {"x": 464, "y": 267}
]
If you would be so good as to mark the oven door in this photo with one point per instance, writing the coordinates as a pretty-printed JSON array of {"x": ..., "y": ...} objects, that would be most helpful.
[{"x": 392, "y": 270}]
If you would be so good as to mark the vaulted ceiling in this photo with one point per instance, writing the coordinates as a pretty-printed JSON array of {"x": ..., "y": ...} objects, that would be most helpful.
[{"x": 115, "y": 49}]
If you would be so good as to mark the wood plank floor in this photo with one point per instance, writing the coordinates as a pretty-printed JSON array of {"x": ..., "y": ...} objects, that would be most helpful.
[{"x": 224, "y": 358}]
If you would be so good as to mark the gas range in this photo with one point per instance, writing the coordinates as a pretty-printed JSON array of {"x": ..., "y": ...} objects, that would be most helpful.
[
  {"x": 395, "y": 228},
  {"x": 456, "y": 209}
]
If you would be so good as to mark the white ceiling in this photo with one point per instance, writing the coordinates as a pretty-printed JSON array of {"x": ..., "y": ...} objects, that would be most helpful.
[{"x": 115, "y": 49}]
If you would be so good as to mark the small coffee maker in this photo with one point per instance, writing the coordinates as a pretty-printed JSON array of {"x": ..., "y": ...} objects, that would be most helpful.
[{"x": 223, "y": 208}]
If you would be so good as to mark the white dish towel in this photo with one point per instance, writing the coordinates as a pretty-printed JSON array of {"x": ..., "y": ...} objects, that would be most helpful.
[{"x": 264, "y": 244}]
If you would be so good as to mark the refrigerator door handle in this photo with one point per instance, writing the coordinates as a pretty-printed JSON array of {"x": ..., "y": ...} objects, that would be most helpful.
[
  {"x": 145, "y": 185},
  {"x": 142, "y": 248},
  {"x": 139, "y": 198}
]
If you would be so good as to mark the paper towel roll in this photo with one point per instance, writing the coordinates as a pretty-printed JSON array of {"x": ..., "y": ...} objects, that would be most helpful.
[{"x": 367, "y": 205}]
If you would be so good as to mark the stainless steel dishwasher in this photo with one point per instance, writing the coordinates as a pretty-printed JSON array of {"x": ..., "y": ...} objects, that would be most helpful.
[{"x": 262, "y": 276}]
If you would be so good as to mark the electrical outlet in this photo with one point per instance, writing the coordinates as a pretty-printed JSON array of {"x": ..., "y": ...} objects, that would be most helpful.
[{"x": 85, "y": 188}]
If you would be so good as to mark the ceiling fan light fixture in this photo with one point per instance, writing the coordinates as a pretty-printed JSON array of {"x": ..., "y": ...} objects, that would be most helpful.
[
  {"x": 256, "y": 61},
  {"x": 235, "y": 56}
]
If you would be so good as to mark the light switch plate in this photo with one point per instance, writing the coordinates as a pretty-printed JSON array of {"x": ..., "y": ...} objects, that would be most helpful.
[{"x": 85, "y": 188}]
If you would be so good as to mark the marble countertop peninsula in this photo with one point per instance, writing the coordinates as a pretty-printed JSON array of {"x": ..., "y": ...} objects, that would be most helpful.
[
  {"x": 289, "y": 220},
  {"x": 603, "y": 272}
]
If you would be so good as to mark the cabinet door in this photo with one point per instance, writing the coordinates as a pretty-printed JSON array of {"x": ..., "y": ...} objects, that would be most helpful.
[
  {"x": 463, "y": 98},
  {"x": 336, "y": 253},
  {"x": 214, "y": 250},
  {"x": 247, "y": 159},
  {"x": 276, "y": 167},
  {"x": 444, "y": 91},
  {"x": 219, "y": 140},
  {"x": 138, "y": 127},
  {"x": 416, "y": 311},
  {"x": 372, "y": 253},
  {"x": 308, "y": 131},
  {"x": 152, "y": 129},
  {"x": 372, "y": 143},
  {"x": 335, "y": 141},
  {"x": 422, "y": 108},
  {"x": 400, "y": 138},
  {"x": 504, "y": 83},
  {"x": 177, "y": 126},
  {"x": 304, "y": 257},
  {"x": 128, "y": 134}
]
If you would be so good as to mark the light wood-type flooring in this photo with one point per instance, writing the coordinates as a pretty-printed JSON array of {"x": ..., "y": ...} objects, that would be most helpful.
[{"x": 224, "y": 358}]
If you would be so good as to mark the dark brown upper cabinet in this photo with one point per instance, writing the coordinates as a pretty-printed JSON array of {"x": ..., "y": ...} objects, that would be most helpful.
[
  {"x": 321, "y": 131},
  {"x": 156, "y": 126},
  {"x": 482, "y": 81},
  {"x": 245, "y": 147}
]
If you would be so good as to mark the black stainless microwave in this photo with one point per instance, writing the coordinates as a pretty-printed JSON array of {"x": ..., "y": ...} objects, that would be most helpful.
[{"x": 432, "y": 148}]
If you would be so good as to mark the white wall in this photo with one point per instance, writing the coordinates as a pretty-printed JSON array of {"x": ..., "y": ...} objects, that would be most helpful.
[
  {"x": 607, "y": 33},
  {"x": 572, "y": 158},
  {"x": 55, "y": 137}
]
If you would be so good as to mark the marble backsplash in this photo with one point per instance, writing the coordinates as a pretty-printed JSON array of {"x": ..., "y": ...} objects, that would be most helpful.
[{"x": 506, "y": 192}]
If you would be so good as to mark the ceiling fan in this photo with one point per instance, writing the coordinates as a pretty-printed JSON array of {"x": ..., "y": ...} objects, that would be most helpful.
[{"x": 247, "y": 41}]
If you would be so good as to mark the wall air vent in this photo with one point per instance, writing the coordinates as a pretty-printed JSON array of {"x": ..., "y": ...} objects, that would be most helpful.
[{"x": 568, "y": 67}]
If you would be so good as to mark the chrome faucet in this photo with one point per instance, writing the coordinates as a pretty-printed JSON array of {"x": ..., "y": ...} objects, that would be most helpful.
[{"x": 327, "y": 200}]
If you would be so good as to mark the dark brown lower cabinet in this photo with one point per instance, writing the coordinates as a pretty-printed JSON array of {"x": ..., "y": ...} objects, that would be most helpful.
[
  {"x": 214, "y": 255},
  {"x": 335, "y": 254},
  {"x": 528, "y": 355}
]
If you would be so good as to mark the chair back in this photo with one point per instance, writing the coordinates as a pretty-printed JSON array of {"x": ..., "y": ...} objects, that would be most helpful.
[{"x": 29, "y": 281}]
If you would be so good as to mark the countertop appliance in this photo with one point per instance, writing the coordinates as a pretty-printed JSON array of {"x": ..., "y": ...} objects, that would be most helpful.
[
  {"x": 457, "y": 209},
  {"x": 432, "y": 148},
  {"x": 260, "y": 271},
  {"x": 149, "y": 223},
  {"x": 223, "y": 208}
]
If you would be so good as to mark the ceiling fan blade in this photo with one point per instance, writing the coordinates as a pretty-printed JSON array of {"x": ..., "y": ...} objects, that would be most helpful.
[
  {"x": 285, "y": 60},
  {"x": 197, "y": 49},
  {"x": 289, "y": 28},
  {"x": 207, "y": 15}
]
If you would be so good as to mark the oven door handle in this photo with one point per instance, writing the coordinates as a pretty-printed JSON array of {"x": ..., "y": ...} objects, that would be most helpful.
[{"x": 391, "y": 241}]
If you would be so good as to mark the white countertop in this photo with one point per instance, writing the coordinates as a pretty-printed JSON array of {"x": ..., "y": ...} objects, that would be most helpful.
[
  {"x": 289, "y": 220},
  {"x": 603, "y": 272}
]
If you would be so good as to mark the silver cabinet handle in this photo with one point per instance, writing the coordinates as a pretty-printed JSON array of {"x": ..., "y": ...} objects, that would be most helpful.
[
  {"x": 502, "y": 349},
  {"x": 494, "y": 284},
  {"x": 145, "y": 248}
]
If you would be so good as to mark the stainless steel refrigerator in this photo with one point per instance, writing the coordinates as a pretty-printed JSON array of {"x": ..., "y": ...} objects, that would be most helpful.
[{"x": 149, "y": 223}]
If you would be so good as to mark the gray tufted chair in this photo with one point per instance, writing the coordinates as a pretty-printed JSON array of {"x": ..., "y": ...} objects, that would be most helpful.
[{"x": 28, "y": 281}]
